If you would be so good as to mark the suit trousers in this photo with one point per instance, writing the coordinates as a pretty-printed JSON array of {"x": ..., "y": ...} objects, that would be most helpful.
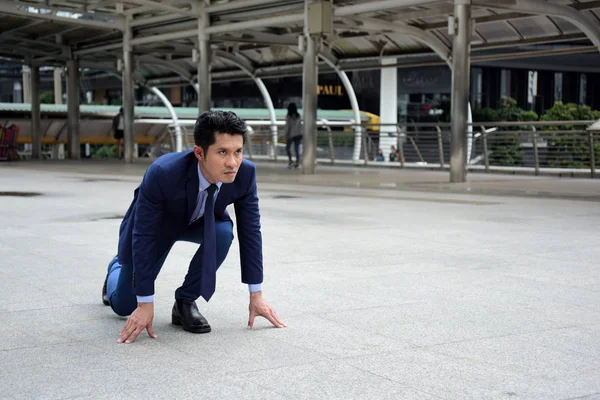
[{"x": 119, "y": 288}]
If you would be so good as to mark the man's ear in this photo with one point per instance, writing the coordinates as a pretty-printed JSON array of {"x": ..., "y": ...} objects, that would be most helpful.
[{"x": 199, "y": 153}]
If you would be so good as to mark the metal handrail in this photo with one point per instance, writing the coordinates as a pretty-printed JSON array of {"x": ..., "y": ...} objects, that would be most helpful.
[
  {"x": 535, "y": 149},
  {"x": 478, "y": 124}
]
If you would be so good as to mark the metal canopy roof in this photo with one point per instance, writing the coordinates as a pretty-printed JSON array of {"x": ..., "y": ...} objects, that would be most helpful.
[{"x": 262, "y": 35}]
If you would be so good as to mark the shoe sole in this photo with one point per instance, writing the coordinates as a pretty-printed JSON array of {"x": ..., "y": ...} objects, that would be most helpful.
[{"x": 177, "y": 322}]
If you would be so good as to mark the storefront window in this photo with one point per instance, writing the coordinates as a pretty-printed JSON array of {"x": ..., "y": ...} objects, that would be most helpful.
[{"x": 423, "y": 94}]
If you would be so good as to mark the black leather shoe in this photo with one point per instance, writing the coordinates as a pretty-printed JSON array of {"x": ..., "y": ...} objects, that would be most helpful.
[
  {"x": 104, "y": 298},
  {"x": 185, "y": 313}
]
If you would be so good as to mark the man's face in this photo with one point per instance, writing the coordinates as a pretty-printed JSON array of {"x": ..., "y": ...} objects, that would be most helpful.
[{"x": 222, "y": 159}]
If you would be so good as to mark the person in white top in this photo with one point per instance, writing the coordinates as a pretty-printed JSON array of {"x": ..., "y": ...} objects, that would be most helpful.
[{"x": 117, "y": 127}]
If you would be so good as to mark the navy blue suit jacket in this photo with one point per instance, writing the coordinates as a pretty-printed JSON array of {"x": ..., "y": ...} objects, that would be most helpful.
[{"x": 161, "y": 210}]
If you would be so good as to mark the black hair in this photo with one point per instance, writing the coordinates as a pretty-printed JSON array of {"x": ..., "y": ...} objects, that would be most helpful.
[
  {"x": 293, "y": 111},
  {"x": 209, "y": 123}
]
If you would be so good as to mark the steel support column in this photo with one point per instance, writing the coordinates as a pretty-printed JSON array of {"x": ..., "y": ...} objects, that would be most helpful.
[
  {"x": 128, "y": 98},
  {"x": 204, "y": 95},
  {"x": 36, "y": 132},
  {"x": 57, "y": 85},
  {"x": 73, "y": 137},
  {"x": 310, "y": 80},
  {"x": 57, "y": 73},
  {"x": 26, "y": 84},
  {"x": 461, "y": 50},
  {"x": 388, "y": 107},
  {"x": 58, "y": 149}
]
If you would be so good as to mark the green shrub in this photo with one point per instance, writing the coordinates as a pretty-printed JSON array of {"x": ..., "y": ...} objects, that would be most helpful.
[
  {"x": 569, "y": 151},
  {"x": 106, "y": 151},
  {"x": 46, "y": 97},
  {"x": 506, "y": 149},
  {"x": 485, "y": 115},
  {"x": 569, "y": 112},
  {"x": 530, "y": 116}
]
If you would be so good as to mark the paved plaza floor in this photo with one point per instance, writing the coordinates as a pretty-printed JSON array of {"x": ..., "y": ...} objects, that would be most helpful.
[{"x": 395, "y": 284}]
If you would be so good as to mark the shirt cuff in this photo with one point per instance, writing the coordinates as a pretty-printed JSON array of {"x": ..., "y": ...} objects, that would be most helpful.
[
  {"x": 145, "y": 299},
  {"x": 254, "y": 287}
]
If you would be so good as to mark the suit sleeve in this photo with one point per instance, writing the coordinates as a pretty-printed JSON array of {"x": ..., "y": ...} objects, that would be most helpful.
[
  {"x": 146, "y": 230},
  {"x": 249, "y": 236}
]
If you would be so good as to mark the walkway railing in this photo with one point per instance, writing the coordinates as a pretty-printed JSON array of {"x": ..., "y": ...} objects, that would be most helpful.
[{"x": 517, "y": 147}]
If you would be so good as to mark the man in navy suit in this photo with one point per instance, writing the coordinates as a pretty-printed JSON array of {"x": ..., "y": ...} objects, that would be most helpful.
[{"x": 183, "y": 196}]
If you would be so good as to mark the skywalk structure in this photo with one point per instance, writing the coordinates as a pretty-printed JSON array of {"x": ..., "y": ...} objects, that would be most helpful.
[{"x": 146, "y": 42}]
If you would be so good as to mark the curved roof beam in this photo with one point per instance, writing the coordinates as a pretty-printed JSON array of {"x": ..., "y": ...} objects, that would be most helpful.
[
  {"x": 577, "y": 18},
  {"x": 427, "y": 38},
  {"x": 169, "y": 65},
  {"x": 238, "y": 61}
]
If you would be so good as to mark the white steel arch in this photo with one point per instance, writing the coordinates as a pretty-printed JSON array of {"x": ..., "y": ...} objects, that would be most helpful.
[
  {"x": 167, "y": 103},
  {"x": 332, "y": 61},
  {"x": 247, "y": 67}
]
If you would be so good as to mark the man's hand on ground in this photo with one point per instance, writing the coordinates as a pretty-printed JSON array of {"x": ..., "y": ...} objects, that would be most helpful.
[
  {"x": 140, "y": 319},
  {"x": 259, "y": 307}
]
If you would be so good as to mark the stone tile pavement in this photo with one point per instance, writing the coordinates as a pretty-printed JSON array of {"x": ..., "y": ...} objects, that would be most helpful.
[{"x": 394, "y": 284}]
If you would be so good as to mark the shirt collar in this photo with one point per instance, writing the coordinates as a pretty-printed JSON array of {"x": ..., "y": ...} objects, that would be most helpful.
[{"x": 204, "y": 184}]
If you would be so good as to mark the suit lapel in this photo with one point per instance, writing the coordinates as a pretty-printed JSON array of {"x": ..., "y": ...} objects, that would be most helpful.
[{"x": 192, "y": 187}]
